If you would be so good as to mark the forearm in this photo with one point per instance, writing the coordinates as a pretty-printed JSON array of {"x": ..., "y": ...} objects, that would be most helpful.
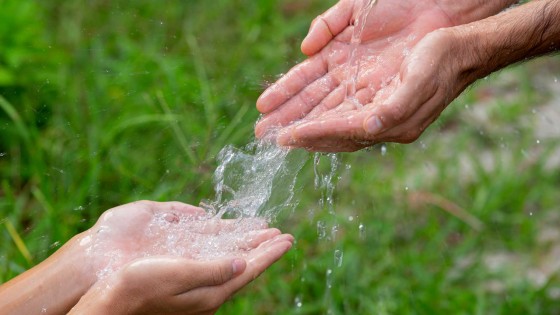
[
  {"x": 462, "y": 12},
  {"x": 516, "y": 35},
  {"x": 52, "y": 287}
]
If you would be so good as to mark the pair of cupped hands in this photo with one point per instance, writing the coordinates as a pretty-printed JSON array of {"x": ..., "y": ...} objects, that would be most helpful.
[
  {"x": 143, "y": 279},
  {"x": 409, "y": 69}
]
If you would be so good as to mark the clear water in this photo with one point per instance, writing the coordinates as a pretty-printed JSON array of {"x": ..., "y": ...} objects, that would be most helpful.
[
  {"x": 354, "y": 63},
  {"x": 252, "y": 185},
  {"x": 257, "y": 181}
]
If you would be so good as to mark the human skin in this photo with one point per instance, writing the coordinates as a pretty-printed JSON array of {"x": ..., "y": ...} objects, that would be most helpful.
[
  {"x": 405, "y": 93},
  {"x": 142, "y": 284}
]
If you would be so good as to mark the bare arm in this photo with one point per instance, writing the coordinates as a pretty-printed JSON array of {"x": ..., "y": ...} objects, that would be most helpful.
[
  {"x": 52, "y": 287},
  {"x": 462, "y": 12},
  {"x": 519, "y": 34}
]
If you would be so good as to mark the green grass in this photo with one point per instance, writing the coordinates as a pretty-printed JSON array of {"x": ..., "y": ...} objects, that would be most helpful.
[{"x": 106, "y": 102}]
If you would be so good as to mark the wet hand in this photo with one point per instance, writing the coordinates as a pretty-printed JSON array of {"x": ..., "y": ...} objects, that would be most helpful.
[
  {"x": 316, "y": 88},
  {"x": 147, "y": 228},
  {"x": 433, "y": 75},
  {"x": 171, "y": 285}
]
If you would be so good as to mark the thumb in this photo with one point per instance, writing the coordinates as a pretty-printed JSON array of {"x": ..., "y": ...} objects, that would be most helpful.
[{"x": 217, "y": 272}]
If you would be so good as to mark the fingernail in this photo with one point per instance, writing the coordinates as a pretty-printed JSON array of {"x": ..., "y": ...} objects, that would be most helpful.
[
  {"x": 373, "y": 125},
  {"x": 238, "y": 265}
]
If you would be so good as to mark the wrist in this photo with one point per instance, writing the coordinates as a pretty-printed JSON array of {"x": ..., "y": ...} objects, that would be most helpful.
[
  {"x": 516, "y": 35},
  {"x": 108, "y": 296},
  {"x": 55, "y": 284},
  {"x": 462, "y": 12}
]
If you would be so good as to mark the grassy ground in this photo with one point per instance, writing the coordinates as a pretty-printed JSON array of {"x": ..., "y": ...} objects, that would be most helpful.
[{"x": 106, "y": 102}]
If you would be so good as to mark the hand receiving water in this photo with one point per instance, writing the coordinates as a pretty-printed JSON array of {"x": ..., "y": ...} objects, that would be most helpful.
[
  {"x": 148, "y": 258},
  {"x": 397, "y": 72},
  {"x": 146, "y": 228},
  {"x": 175, "y": 285}
]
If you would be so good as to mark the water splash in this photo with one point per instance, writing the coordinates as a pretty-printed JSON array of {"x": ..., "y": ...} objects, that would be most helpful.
[{"x": 257, "y": 181}]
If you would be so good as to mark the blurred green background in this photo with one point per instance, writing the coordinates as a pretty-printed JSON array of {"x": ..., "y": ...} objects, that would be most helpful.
[{"x": 106, "y": 102}]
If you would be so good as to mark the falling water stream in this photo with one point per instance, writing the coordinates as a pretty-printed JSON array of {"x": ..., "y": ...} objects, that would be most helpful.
[{"x": 354, "y": 63}]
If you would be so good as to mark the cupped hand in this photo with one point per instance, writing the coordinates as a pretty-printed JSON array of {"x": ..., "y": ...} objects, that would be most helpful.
[
  {"x": 437, "y": 70},
  {"x": 172, "y": 285},
  {"x": 318, "y": 86},
  {"x": 147, "y": 228}
]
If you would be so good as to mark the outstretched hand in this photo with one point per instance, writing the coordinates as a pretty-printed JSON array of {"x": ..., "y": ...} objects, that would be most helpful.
[
  {"x": 316, "y": 89},
  {"x": 147, "y": 228},
  {"x": 172, "y": 285}
]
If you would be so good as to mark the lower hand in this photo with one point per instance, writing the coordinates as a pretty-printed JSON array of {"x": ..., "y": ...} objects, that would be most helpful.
[{"x": 173, "y": 285}]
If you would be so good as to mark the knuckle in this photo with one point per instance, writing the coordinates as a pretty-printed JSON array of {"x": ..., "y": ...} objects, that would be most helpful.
[{"x": 219, "y": 276}]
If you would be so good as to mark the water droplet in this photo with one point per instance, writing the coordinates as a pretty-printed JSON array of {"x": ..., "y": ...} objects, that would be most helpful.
[
  {"x": 321, "y": 230},
  {"x": 334, "y": 231},
  {"x": 338, "y": 256},
  {"x": 298, "y": 301},
  {"x": 329, "y": 278},
  {"x": 362, "y": 229}
]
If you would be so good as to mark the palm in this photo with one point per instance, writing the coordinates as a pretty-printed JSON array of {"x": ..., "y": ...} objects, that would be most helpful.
[
  {"x": 315, "y": 89},
  {"x": 143, "y": 229}
]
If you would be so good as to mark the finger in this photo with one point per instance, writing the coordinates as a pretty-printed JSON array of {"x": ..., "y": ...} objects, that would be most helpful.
[
  {"x": 299, "y": 105},
  {"x": 253, "y": 239},
  {"x": 407, "y": 99},
  {"x": 342, "y": 126},
  {"x": 334, "y": 146},
  {"x": 290, "y": 84},
  {"x": 211, "y": 297},
  {"x": 326, "y": 26},
  {"x": 415, "y": 125},
  {"x": 209, "y": 273},
  {"x": 335, "y": 98},
  {"x": 338, "y": 101},
  {"x": 215, "y": 225}
]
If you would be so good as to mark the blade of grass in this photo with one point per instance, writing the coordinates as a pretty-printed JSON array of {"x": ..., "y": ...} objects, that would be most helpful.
[
  {"x": 19, "y": 242},
  {"x": 179, "y": 134},
  {"x": 205, "y": 89},
  {"x": 16, "y": 118}
]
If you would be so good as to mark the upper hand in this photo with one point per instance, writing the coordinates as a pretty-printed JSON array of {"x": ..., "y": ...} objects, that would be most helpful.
[{"x": 315, "y": 90}]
